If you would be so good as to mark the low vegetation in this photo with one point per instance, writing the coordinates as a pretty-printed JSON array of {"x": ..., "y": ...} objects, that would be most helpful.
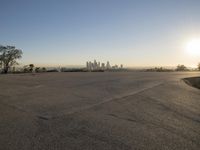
[
  {"x": 198, "y": 66},
  {"x": 181, "y": 68},
  {"x": 159, "y": 69},
  {"x": 9, "y": 56}
]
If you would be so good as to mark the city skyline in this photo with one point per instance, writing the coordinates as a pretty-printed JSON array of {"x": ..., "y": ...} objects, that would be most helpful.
[
  {"x": 92, "y": 66},
  {"x": 135, "y": 33}
]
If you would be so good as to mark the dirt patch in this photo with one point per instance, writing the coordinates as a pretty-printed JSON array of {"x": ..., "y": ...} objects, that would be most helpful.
[{"x": 193, "y": 81}]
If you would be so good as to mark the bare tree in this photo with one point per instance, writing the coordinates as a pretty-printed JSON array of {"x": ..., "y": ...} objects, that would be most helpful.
[{"x": 8, "y": 57}]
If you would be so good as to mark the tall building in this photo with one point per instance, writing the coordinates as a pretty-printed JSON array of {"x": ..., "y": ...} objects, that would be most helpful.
[
  {"x": 90, "y": 65},
  {"x": 108, "y": 65},
  {"x": 97, "y": 65},
  {"x": 103, "y": 66},
  {"x": 87, "y": 65}
]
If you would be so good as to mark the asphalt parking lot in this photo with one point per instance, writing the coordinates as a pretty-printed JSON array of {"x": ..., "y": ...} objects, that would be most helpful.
[{"x": 99, "y": 111}]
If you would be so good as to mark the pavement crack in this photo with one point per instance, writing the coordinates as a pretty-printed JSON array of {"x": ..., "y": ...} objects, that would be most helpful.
[
  {"x": 126, "y": 119},
  {"x": 124, "y": 96},
  {"x": 43, "y": 117}
]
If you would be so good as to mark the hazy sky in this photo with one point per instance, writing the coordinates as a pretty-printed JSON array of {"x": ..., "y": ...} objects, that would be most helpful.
[{"x": 131, "y": 32}]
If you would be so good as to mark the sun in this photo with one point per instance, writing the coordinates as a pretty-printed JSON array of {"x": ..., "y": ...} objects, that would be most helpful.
[{"x": 193, "y": 47}]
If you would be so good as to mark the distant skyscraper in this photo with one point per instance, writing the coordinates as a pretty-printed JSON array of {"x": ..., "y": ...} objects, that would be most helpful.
[
  {"x": 103, "y": 66},
  {"x": 90, "y": 65},
  {"x": 97, "y": 65},
  {"x": 107, "y": 65},
  {"x": 87, "y": 65}
]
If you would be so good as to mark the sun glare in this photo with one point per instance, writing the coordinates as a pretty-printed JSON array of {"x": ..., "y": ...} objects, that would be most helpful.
[{"x": 193, "y": 47}]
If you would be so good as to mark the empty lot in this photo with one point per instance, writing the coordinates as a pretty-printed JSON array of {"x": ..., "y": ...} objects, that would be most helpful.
[{"x": 99, "y": 111}]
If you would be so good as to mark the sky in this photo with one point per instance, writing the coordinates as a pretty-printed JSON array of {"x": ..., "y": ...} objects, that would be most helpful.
[{"x": 130, "y": 32}]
